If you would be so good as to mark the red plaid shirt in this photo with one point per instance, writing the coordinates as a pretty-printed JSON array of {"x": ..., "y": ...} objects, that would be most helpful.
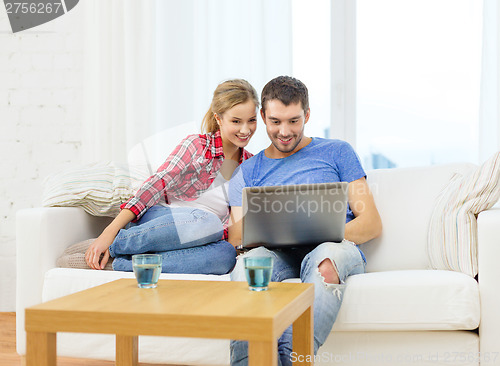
[{"x": 188, "y": 171}]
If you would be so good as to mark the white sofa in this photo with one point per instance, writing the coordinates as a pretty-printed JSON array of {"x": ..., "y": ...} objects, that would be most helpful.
[{"x": 399, "y": 313}]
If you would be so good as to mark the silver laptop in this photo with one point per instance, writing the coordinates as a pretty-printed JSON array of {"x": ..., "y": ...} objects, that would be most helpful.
[{"x": 294, "y": 215}]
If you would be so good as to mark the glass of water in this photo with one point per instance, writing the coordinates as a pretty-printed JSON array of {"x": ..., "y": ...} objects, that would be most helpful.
[
  {"x": 147, "y": 269},
  {"x": 258, "y": 271}
]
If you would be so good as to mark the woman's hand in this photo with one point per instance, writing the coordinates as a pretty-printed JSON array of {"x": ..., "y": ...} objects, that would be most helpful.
[{"x": 99, "y": 247}]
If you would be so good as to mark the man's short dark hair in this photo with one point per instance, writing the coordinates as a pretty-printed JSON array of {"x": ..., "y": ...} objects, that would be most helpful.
[{"x": 287, "y": 90}]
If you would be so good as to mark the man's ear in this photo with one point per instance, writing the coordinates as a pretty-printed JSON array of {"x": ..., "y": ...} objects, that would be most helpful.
[
  {"x": 263, "y": 114},
  {"x": 308, "y": 113}
]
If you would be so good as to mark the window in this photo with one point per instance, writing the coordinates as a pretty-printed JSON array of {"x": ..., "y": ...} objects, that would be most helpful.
[
  {"x": 311, "y": 59},
  {"x": 418, "y": 81}
]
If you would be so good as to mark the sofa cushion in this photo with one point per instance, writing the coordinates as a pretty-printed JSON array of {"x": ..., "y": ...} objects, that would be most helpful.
[
  {"x": 393, "y": 300},
  {"x": 404, "y": 199},
  {"x": 410, "y": 300},
  {"x": 98, "y": 188},
  {"x": 452, "y": 240}
]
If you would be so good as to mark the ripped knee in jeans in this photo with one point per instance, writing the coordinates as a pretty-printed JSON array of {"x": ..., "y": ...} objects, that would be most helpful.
[{"x": 328, "y": 272}]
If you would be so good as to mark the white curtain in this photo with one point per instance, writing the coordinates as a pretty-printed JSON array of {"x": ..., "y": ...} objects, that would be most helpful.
[
  {"x": 153, "y": 64},
  {"x": 489, "y": 118},
  {"x": 119, "y": 73}
]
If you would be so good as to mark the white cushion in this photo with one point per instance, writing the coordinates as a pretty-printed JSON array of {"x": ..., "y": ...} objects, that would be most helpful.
[
  {"x": 404, "y": 199},
  {"x": 452, "y": 236},
  {"x": 98, "y": 188},
  {"x": 393, "y": 300},
  {"x": 172, "y": 350},
  {"x": 410, "y": 300}
]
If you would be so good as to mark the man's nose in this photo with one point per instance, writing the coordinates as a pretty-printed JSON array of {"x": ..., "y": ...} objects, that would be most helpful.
[{"x": 284, "y": 130}]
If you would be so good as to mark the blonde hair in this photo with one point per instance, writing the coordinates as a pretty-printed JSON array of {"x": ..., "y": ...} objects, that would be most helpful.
[{"x": 227, "y": 95}]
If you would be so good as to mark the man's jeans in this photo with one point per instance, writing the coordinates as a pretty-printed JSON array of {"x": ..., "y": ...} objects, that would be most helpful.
[
  {"x": 303, "y": 262},
  {"x": 188, "y": 239}
]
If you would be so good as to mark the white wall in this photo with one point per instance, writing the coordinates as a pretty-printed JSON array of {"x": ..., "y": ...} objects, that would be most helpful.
[{"x": 40, "y": 117}]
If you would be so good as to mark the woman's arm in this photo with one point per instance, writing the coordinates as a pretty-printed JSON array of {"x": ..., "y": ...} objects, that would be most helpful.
[{"x": 104, "y": 241}]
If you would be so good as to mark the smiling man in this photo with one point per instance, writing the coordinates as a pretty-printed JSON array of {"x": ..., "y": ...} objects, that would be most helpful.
[{"x": 293, "y": 158}]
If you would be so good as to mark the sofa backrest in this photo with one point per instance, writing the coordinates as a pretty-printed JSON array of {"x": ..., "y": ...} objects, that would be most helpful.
[{"x": 405, "y": 199}]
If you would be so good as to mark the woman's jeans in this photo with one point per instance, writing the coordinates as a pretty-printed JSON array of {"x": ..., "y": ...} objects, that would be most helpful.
[
  {"x": 303, "y": 262},
  {"x": 188, "y": 239}
]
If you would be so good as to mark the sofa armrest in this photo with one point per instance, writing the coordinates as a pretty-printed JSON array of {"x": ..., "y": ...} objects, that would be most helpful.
[
  {"x": 42, "y": 234},
  {"x": 489, "y": 282}
]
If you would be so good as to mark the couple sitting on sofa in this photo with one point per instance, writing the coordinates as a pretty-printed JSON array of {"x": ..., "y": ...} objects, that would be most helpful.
[{"x": 182, "y": 213}]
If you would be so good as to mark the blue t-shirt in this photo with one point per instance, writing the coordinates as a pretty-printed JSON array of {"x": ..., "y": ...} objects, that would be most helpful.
[{"x": 322, "y": 161}]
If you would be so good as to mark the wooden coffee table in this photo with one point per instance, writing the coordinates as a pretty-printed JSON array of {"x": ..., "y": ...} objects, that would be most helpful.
[{"x": 205, "y": 309}]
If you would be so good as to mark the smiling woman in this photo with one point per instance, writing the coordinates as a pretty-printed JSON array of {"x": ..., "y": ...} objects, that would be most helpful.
[
  {"x": 237, "y": 126},
  {"x": 182, "y": 209}
]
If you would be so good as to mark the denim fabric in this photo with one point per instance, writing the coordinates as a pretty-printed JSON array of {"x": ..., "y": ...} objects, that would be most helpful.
[
  {"x": 303, "y": 262},
  {"x": 214, "y": 258},
  {"x": 187, "y": 238},
  {"x": 162, "y": 229}
]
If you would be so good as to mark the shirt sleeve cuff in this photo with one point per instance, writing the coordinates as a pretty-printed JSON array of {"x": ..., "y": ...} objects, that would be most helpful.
[{"x": 138, "y": 213}]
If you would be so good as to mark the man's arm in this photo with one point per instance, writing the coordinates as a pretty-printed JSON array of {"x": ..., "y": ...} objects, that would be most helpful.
[
  {"x": 234, "y": 229},
  {"x": 367, "y": 223}
]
